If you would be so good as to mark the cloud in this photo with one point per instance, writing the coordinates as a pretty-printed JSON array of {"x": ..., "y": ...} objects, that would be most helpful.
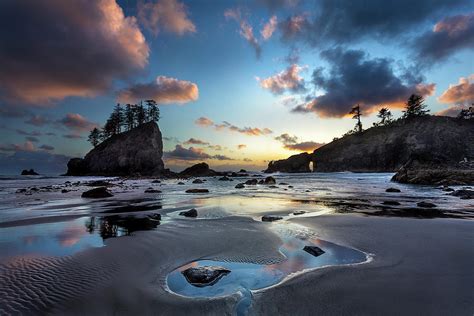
[
  {"x": 247, "y": 160},
  {"x": 336, "y": 21},
  {"x": 286, "y": 80},
  {"x": 46, "y": 147},
  {"x": 354, "y": 78},
  {"x": 291, "y": 143},
  {"x": 448, "y": 36},
  {"x": 51, "y": 49},
  {"x": 215, "y": 147},
  {"x": 293, "y": 26},
  {"x": 250, "y": 131},
  {"x": 37, "y": 120},
  {"x": 241, "y": 146},
  {"x": 168, "y": 15},
  {"x": 27, "y": 146},
  {"x": 10, "y": 111},
  {"x": 461, "y": 93},
  {"x": 246, "y": 30},
  {"x": 273, "y": 5},
  {"x": 72, "y": 136},
  {"x": 32, "y": 133},
  {"x": 32, "y": 139},
  {"x": 163, "y": 90},
  {"x": 191, "y": 153},
  {"x": 269, "y": 28},
  {"x": 77, "y": 123},
  {"x": 42, "y": 161},
  {"x": 452, "y": 111},
  {"x": 195, "y": 141}
]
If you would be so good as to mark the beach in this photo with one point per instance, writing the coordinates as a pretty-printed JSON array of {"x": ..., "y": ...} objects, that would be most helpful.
[{"x": 63, "y": 254}]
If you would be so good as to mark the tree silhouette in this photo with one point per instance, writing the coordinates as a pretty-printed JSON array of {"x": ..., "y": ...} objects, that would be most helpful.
[
  {"x": 467, "y": 114},
  {"x": 357, "y": 114},
  {"x": 117, "y": 119},
  {"x": 129, "y": 117},
  {"x": 94, "y": 137},
  {"x": 153, "y": 112},
  {"x": 140, "y": 114},
  {"x": 415, "y": 107},
  {"x": 385, "y": 117}
]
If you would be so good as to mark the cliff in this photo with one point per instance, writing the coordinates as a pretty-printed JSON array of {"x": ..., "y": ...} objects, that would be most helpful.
[
  {"x": 430, "y": 140},
  {"x": 136, "y": 152}
]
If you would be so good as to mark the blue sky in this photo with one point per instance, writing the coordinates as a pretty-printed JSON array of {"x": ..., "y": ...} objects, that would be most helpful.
[{"x": 197, "y": 43}]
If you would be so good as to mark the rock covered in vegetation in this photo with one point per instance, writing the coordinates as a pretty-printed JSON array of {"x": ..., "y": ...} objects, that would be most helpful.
[
  {"x": 136, "y": 152},
  {"x": 293, "y": 164}
]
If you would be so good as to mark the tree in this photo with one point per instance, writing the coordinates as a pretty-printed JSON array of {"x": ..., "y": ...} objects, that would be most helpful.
[
  {"x": 109, "y": 127},
  {"x": 415, "y": 107},
  {"x": 94, "y": 137},
  {"x": 117, "y": 117},
  {"x": 356, "y": 111},
  {"x": 153, "y": 112},
  {"x": 467, "y": 114},
  {"x": 385, "y": 117},
  {"x": 140, "y": 114},
  {"x": 129, "y": 117}
]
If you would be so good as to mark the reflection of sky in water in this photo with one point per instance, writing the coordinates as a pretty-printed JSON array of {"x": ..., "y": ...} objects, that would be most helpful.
[
  {"x": 50, "y": 239},
  {"x": 249, "y": 276}
]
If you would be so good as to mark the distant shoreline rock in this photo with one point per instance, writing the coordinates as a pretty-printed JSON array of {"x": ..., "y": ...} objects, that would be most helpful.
[{"x": 30, "y": 172}]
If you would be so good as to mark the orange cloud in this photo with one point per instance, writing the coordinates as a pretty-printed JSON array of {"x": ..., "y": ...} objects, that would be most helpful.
[
  {"x": 77, "y": 122},
  {"x": 452, "y": 111},
  {"x": 246, "y": 31},
  {"x": 250, "y": 131},
  {"x": 461, "y": 93},
  {"x": 169, "y": 15},
  {"x": 241, "y": 146},
  {"x": 269, "y": 28},
  {"x": 162, "y": 90},
  {"x": 287, "y": 80}
]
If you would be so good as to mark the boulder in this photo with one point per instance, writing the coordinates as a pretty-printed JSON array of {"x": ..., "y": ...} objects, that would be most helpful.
[
  {"x": 151, "y": 190},
  {"x": 30, "y": 172},
  {"x": 270, "y": 218},
  {"x": 136, "y": 152},
  {"x": 100, "y": 192},
  {"x": 425, "y": 204},
  {"x": 299, "y": 212},
  {"x": 225, "y": 178},
  {"x": 156, "y": 181},
  {"x": 191, "y": 213},
  {"x": 240, "y": 186},
  {"x": 392, "y": 190},
  {"x": 270, "y": 180},
  {"x": 198, "y": 181},
  {"x": 463, "y": 194},
  {"x": 197, "y": 191},
  {"x": 204, "y": 276},
  {"x": 198, "y": 170},
  {"x": 315, "y": 251},
  {"x": 251, "y": 182}
]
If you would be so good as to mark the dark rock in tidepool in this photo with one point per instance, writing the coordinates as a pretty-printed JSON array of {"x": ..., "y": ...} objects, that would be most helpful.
[
  {"x": 100, "y": 192},
  {"x": 197, "y": 191},
  {"x": 180, "y": 183},
  {"x": 151, "y": 190},
  {"x": 198, "y": 181},
  {"x": 464, "y": 194},
  {"x": 251, "y": 182},
  {"x": 298, "y": 212},
  {"x": 136, "y": 152},
  {"x": 270, "y": 218},
  {"x": 315, "y": 251},
  {"x": 191, "y": 213},
  {"x": 392, "y": 190},
  {"x": 270, "y": 180},
  {"x": 240, "y": 186},
  {"x": 30, "y": 172},
  {"x": 198, "y": 170},
  {"x": 204, "y": 276},
  {"x": 425, "y": 204},
  {"x": 390, "y": 203}
]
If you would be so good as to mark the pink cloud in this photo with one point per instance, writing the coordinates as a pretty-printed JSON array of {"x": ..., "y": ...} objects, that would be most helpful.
[
  {"x": 286, "y": 80},
  {"x": 77, "y": 122},
  {"x": 269, "y": 28},
  {"x": 461, "y": 93},
  {"x": 246, "y": 30}
]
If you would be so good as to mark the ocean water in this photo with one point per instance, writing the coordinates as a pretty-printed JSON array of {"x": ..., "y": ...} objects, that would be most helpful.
[{"x": 44, "y": 221}]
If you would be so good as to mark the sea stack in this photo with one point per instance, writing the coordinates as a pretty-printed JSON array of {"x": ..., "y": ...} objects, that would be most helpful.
[{"x": 137, "y": 152}]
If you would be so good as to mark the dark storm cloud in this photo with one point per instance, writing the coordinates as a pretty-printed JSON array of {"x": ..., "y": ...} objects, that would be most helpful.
[
  {"x": 448, "y": 36},
  {"x": 46, "y": 147},
  {"x": 52, "y": 49},
  {"x": 341, "y": 21},
  {"x": 38, "y": 120},
  {"x": 354, "y": 78},
  {"x": 291, "y": 143}
]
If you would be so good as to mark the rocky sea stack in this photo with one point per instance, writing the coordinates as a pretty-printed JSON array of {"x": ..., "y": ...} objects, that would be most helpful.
[{"x": 137, "y": 152}]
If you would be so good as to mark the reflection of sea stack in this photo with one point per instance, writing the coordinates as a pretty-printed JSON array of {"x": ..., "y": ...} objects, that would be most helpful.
[{"x": 136, "y": 152}]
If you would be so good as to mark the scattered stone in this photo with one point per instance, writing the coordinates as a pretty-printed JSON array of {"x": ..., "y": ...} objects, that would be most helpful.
[
  {"x": 191, "y": 213},
  {"x": 273, "y": 187},
  {"x": 242, "y": 171},
  {"x": 64, "y": 191},
  {"x": 240, "y": 186},
  {"x": 224, "y": 178},
  {"x": 198, "y": 181},
  {"x": 21, "y": 191},
  {"x": 392, "y": 190},
  {"x": 283, "y": 183},
  {"x": 464, "y": 194},
  {"x": 156, "y": 217},
  {"x": 198, "y": 170},
  {"x": 30, "y": 172},
  {"x": 270, "y": 180},
  {"x": 180, "y": 183},
  {"x": 448, "y": 189},
  {"x": 307, "y": 191},
  {"x": 261, "y": 182},
  {"x": 156, "y": 181},
  {"x": 291, "y": 187},
  {"x": 298, "y": 212},
  {"x": 270, "y": 218},
  {"x": 251, "y": 182},
  {"x": 197, "y": 191},
  {"x": 390, "y": 203},
  {"x": 425, "y": 204},
  {"x": 315, "y": 251},
  {"x": 100, "y": 192},
  {"x": 204, "y": 276},
  {"x": 151, "y": 190}
]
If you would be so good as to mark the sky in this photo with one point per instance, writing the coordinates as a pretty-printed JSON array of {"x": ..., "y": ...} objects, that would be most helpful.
[{"x": 238, "y": 83}]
